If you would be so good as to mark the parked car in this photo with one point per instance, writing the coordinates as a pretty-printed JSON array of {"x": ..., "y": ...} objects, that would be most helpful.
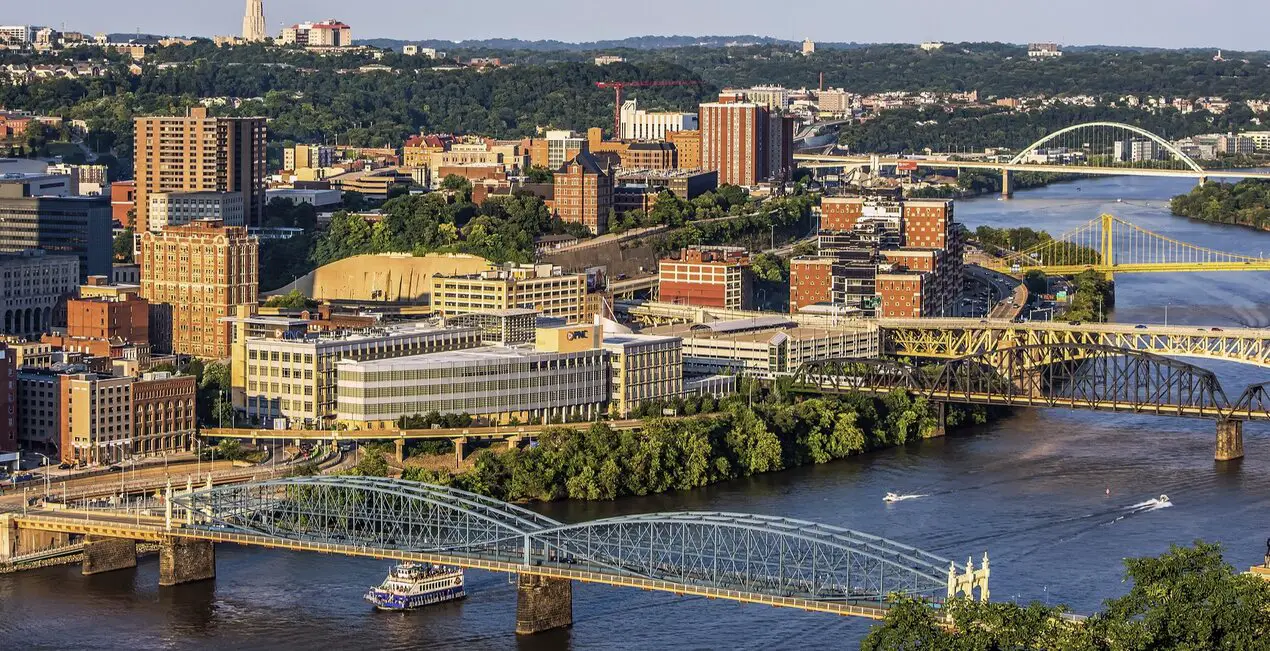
[
  {"x": 115, "y": 468},
  {"x": 1140, "y": 327},
  {"x": 1073, "y": 323}
]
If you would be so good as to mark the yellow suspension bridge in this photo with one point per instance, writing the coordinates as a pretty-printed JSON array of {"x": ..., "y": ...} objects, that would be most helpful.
[{"x": 1111, "y": 245}]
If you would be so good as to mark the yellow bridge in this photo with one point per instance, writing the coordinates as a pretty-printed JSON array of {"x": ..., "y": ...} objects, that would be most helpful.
[{"x": 1111, "y": 245}]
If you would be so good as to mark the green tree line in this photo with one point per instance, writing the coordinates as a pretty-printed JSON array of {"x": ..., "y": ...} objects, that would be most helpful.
[
  {"x": 1246, "y": 203},
  {"x": 740, "y": 440}
]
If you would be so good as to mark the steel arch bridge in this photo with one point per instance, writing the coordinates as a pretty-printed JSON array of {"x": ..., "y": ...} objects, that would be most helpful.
[
  {"x": 1023, "y": 155},
  {"x": 1110, "y": 245},
  {"x": 749, "y": 558},
  {"x": 1076, "y": 376}
]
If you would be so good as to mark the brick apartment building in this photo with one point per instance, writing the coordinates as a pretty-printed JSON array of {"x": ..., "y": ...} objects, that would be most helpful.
[
  {"x": 744, "y": 141},
  {"x": 584, "y": 193},
  {"x": 198, "y": 153}
]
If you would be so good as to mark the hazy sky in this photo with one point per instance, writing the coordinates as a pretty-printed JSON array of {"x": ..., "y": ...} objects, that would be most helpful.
[{"x": 1234, "y": 24}]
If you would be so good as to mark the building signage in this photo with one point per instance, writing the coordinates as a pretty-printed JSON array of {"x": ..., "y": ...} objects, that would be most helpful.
[{"x": 576, "y": 334}]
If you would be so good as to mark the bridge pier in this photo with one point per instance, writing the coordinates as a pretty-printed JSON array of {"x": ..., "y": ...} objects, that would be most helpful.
[
  {"x": 401, "y": 451},
  {"x": 542, "y": 604},
  {"x": 1007, "y": 187},
  {"x": 103, "y": 554},
  {"x": 941, "y": 420},
  {"x": 459, "y": 444},
  {"x": 183, "y": 560},
  {"x": 1230, "y": 440}
]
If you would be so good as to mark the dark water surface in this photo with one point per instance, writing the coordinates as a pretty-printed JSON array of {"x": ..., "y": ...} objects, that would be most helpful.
[{"x": 1031, "y": 491}]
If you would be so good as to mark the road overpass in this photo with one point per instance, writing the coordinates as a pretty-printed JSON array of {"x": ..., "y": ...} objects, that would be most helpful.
[{"x": 739, "y": 557}]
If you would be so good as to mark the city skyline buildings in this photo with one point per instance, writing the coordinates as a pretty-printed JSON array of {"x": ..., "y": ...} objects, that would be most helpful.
[{"x": 1171, "y": 23}]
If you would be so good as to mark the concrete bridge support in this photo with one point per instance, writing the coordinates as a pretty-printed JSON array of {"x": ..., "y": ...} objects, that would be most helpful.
[
  {"x": 460, "y": 445},
  {"x": 1230, "y": 440},
  {"x": 1007, "y": 186},
  {"x": 103, "y": 554},
  {"x": 401, "y": 451},
  {"x": 543, "y": 604},
  {"x": 182, "y": 560},
  {"x": 941, "y": 420}
]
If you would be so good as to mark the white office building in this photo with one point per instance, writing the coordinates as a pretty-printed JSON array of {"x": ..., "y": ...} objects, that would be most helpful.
[{"x": 638, "y": 124}]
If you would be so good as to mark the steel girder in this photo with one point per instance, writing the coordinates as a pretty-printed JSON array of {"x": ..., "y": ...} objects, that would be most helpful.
[{"x": 748, "y": 553}]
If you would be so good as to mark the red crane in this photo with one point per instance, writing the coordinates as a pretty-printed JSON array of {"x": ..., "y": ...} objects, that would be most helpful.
[{"x": 617, "y": 87}]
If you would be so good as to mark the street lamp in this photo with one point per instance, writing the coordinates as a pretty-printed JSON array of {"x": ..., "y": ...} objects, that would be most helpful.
[{"x": 47, "y": 463}]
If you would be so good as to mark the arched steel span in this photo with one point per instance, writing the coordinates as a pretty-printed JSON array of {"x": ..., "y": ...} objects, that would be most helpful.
[
  {"x": 1018, "y": 158},
  {"x": 755, "y": 554},
  {"x": 1087, "y": 376}
]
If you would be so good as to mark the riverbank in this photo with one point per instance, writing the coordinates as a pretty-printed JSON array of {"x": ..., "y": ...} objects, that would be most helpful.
[
  {"x": 735, "y": 439},
  {"x": 1246, "y": 203}
]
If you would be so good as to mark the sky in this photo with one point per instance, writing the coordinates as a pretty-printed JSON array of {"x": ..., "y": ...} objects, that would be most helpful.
[{"x": 1231, "y": 24}]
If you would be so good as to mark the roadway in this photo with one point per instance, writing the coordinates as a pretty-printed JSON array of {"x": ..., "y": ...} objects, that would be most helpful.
[
  {"x": 820, "y": 160},
  {"x": 481, "y": 433}
]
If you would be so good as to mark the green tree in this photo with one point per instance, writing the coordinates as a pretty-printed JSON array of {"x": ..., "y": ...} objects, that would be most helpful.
[{"x": 123, "y": 246}]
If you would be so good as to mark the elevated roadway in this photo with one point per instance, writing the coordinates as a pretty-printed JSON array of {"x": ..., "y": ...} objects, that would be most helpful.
[{"x": 833, "y": 160}]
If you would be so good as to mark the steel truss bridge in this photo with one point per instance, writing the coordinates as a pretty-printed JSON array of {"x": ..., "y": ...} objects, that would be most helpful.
[
  {"x": 1111, "y": 245},
  {"x": 734, "y": 556},
  {"x": 955, "y": 338},
  {"x": 1088, "y": 148},
  {"x": 1076, "y": 376}
]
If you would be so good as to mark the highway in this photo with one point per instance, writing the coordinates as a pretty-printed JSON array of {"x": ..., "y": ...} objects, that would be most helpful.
[
  {"x": 820, "y": 160},
  {"x": 503, "y": 432}
]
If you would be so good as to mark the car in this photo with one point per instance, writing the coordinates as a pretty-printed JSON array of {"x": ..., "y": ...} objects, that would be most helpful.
[
  {"x": 1073, "y": 323},
  {"x": 115, "y": 468},
  {"x": 1140, "y": 327},
  {"x": 1217, "y": 330},
  {"x": 65, "y": 465}
]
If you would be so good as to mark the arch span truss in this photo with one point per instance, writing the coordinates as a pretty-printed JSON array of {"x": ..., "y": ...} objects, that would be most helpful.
[
  {"x": 754, "y": 554},
  {"x": 1081, "y": 376},
  {"x": 1158, "y": 141}
]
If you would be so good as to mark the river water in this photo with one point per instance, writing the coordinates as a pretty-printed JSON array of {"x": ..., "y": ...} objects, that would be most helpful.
[{"x": 1030, "y": 490}]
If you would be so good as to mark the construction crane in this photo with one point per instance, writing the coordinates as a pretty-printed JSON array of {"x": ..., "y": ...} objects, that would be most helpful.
[{"x": 617, "y": 87}]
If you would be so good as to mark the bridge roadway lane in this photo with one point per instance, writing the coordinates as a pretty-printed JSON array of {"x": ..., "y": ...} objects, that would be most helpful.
[
  {"x": 820, "y": 160},
  {"x": 153, "y": 530}
]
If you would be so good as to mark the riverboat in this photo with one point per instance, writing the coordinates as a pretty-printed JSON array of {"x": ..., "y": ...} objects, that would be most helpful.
[{"x": 414, "y": 585}]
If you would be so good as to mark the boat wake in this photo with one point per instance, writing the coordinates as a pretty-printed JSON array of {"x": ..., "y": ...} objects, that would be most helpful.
[{"x": 892, "y": 497}]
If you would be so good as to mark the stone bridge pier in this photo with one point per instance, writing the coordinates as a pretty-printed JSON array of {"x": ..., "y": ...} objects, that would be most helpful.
[
  {"x": 542, "y": 604},
  {"x": 105, "y": 554},
  {"x": 184, "y": 560},
  {"x": 1230, "y": 440}
]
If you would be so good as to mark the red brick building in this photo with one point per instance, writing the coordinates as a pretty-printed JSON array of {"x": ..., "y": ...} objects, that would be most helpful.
[
  {"x": 840, "y": 213},
  {"x": 905, "y": 295},
  {"x": 163, "y": 413},
  {"x": 126, "y": 318},
  {"x": 123, "y": 202},
  {"x": 707, "y": 276},
  {"x": 8, "y": 399},
  {"x": 810, "y": 282},
  {"x": 745, "y": 142},
  {"x": 584, "y": 193},
  {"x": 927, "y": 223}
]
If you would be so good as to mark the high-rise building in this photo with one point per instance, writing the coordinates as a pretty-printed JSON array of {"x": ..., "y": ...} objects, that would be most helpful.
[
  {"x": 197, "y": 153},
  {"x": 194, "y": 277},
  {"x": 563, "y": 145},
  {"x": 745, "y": 142},
  {"x": 584, "y": 193},
  {"x": 687, "y": 147},
  {"x": 177, "y": 208},
  {"x": 254, "y": 22},
  {"x": 95, "y": 417},
  {"x": 638, "y": 124}
]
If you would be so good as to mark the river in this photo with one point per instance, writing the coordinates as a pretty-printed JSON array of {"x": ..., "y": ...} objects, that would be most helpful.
[{"x": 1030, "y": 490}]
